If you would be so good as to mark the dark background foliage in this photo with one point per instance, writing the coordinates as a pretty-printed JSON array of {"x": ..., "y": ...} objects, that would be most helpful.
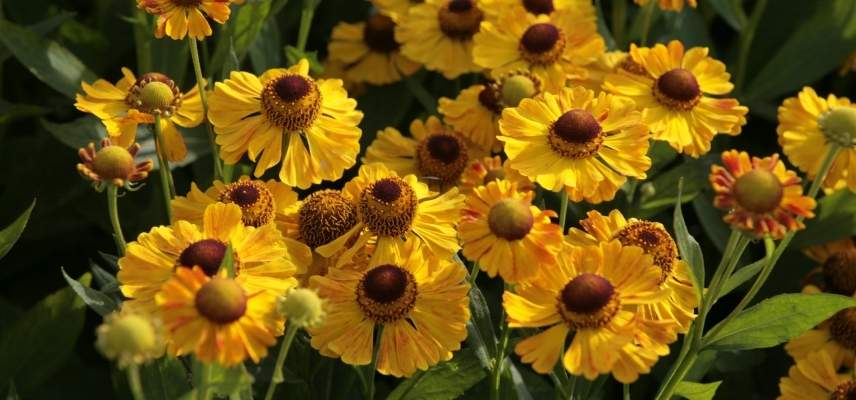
[{"x": 796, "y": 43}]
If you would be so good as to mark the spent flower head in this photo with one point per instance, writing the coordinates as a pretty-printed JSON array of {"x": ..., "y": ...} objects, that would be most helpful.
[{"x": 112, "y": 165}]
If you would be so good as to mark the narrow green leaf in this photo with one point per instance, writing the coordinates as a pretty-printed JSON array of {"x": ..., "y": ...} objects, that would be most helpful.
[
  {"x": 741, "y": 276},
  {"x": 266, "y": 51},
  {"x": 697, "y": 391},
  {"x": 244, "y": 26},
  {"x": 777, "y": 319},
  {"x": 100, "y": 302},
  {"x": 481, "y": 333},
  {"x": 731, "y": 11},
  {"x": 42, "y": 28},
  {"x": 10, "y": 112},
  {"x": 78, "y": 133},
  {"x": 10, "y": 234},
  {"x": 447, "y": 380},
  {"x": 688, "y": 246},
  {"x": 164, "y": 379},
  {"x": 666, "y": 187},
  {"x": 293, "y": 55}
]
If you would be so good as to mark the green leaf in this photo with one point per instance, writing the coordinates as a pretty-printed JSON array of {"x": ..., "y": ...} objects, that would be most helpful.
[
  {"x": 666, "y": 188},
  {"x": 777, "y": 319},
  {"x": 835, "y": 219},
  {"x": 447, "y": 380},
  {"x": 42, "y": 28},
  {"x": 10, "y": 234},
  {"x": 244, "y": 26},
  {"x": 10, "y": 112},
  {"x": 164, "y": 379},
  {"x": 223, "y": 381},
  {"x": 688, "y": 246},
  {"x": 46, "y": 59},
  {"x": 731, "y": 11},
  {"x": 741, "y": 276},
  {"x": 266, "y": 51},
  {"x": 710, "y": 219},
  {"x": 100, "y": 302},
  {"x": 481, "y": 334},
  {"x": 78, "y": 133},
  {"x": 697, "y": 391},
  {"x": 40, "y": 342},
  {"x": 293, "y": 55}
]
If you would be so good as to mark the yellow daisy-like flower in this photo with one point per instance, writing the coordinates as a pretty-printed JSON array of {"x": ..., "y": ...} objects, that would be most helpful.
[
  {"x": 369, "y": 51},
  {"x": 439, "y": 34},
  {"x": 656, "y": 241},
  {"x": 395, "y": 8},
  {"x": 180, "y": 18},
  {"x": 133, "y": 101},
  {"x": 482, "y": 171},
  {"x": 436, "y": 153},
  {"x": 594, "y": 291},
  {"x": 552, "y": 47},
  {"x": 760, "y": 195},
  {"x": 493, "y": 9},
  {"x": 608, "y": 63},
  {"x": 809, "y": 125},
  {"x": 672, "y": 94},
  {"x": 837, "y": 266},
  {"x": 420, "y": 301},
  {"x": 575, "y": 141},
  {"x": 286, "y": 116},
  {"x": 392, "y": 211},
  {"x": 819, "y": 377},
  {"x": 262, "y": 259},
  {"x": 670, "y": 5},
  {"x": 112, "y": 164},
  {"x": 216, "y": 318},
  {"x": 505, "y": 234}
]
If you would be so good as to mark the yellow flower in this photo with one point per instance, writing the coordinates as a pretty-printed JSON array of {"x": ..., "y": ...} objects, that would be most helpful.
[
  {"x": 493, "y": 9},
  {"x": 819, "y": 377},
  {"x": 835, "y": 337},
  {"x": 670, "y": 5},
  {"x": 837, "y": 266},
  {"x": 594, "y": 291},
  {"x": 435, "y": 152},
  {"x": 552, "y": 47},
  {"x": 395, "y": 8},
  {"x": 180, "y": 18},
  {"x": 284, "y": 115},
  {"x": 608, "y": 63},
  {"x": 369, "y": 51},
  {"x": 439, "y": 34},
  {"x": 809, "y": 125},
  {"x": 393, "y": 211},
  {"x": 132, "y": 101},
  {"x": 672, "y": 95},
  {"x": 759, "y": 195},
  {"x": 262, "y": 260},
  {"x": 336, "y": 69},
  {"x": 575, "y": 141},
  {"x": 216, "y": 318},
  {"x": 112, "y": 164},
  {"x": 420, "y": 301},
  {"x": 505, "y": 234},
  {"x": 655, "y": 241},
  {"x": 482, "y": 171}
]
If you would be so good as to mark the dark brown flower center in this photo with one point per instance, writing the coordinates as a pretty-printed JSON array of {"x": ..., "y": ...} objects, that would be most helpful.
[
  {"x": 221, "y": 301},
  {"x": 489, "y": 99},
  {"x": 758, "y": 191},
  {"x": 460, "y": 6},
  {"x": 291, "y": 101},
  {"x": 587, "y": 294},
  {"x": 540, "y": 38},
  {"x": 292, "y": 88},
  {"x": 577, "y": 126},
  {"x": 654, "y": 240},
  {"x": 386, "y": 190},
  {"x": 443, "y": 157},
  {"x": 444, "y": 148},
  {"x": 460, "y": 19},
  {"x": 379, "y": 34},
  {"x": 187, "y": 3},
  {"x": 839, "y": 272},
  {"x": 538, "y": 6},
  {"x": 386, "y": 293},
  {"x": 842, "y": 328},
  {"x": 245, "y": 195},
  {"x": 324, "y": 216},
  {"x": 844, "y": 391},
  {"x": 207, "y": 254},
  {"x": 254, "y": 198},
  {"x": 388, "y": 206},
  {"x": 385, "y": 283},
  {"x": 510, "y": 219},
  {"x": 677, "y": 89}
]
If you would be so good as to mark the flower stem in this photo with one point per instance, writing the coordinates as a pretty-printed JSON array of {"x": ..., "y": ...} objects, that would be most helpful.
[
  {"x": 370, "y": 386},
  {"x": 290, "y": 332},
  {"x": 203, "y": 95},
  {"x": 167, "y": 186},
  {"x": 619, "y": 15},
  {"x": 626, "y": 391},
  {"x": 648, "y": 13},
  {"x": 113, "y": 210},
  {"x": 563, "y": 211},
  {"x": 203, "y": 392},
  {"x": 499, "y": 362},
  {"x": 306, "y": 14},
  {"x": 422, "y": 96},
  {"x": 746, "y": 37},
  {"x": 474, "y": 273},
  {"x": 135, "y": 383}
]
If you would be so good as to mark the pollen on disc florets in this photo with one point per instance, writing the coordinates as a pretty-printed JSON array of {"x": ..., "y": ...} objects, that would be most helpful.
[
  {"x": 386, "y": 293},
  {"x": 844, "y": 391},
  {"x": 324, "y": 216},
  {"x": 154, "y": 93},
  {"x": 302, "y": 307},
  {"x": 207, "y": 254},
  {"x": 460, "y": 19},
  {"x": 442, "y": 156},
  {"x": 588, "y": 301},
  {"x": 653, "y": 238},
  {"x": 842, "y": 328},
  {"x": 510, "y": 219},
  {"x": 291, "y": 101},
  {"x": 516, "y": 87},
  {"x": 221, "y": 300},
  {"x": 542, "y": 44},
  {"x": 379, "y": 34},
  {"x": 112, "y": 164},
  {"x": 839, "y": 272},
  {"x": 254, "y": 198},
  {"x": 677, "y": 89},
  {"x": 839, "y": 126},
  {"x": 388, "y": 206},
  {"x": 758, "y": 191},
  {"x": 130, "y": 339},
  {"x": 489, "y": 98},
  {"x": 576, "y": 134}
]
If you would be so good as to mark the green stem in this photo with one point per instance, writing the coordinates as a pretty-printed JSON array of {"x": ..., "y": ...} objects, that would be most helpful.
[
  {"x": 203, "y": 95},
  {"x": 422, "y": 96},
  {"x": 560, "y": 386},
  {"x": 277, "y": 7},
  {"x": 135, "y": 383},
  {"x": 647, "y": 15},
  {"x": 619, "y": 16},
  {"x": 626, "y": 391},
  {"x": 499, "y": 362},
  {"x": 474, "y": 273},
  {"x": 825, "y": 166},
  {"x": 370, "y": 385},
  {"x": 167, "y": 187},
  {"x": 290, "y": 332},
  {"x": 306, "y": 15},
  {"x": 746, "y": 37},
  {"x": 203, "y": 392},
  {"x": 113, "y": 210},
  {"x": 563, "y": 211}
]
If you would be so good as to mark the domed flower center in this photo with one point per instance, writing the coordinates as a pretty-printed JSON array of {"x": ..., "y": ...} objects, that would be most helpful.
[
  {"x": 677, "y": 89},
  {"x": 488, "y": 99},
  {"x": 187, "y": 3},
  {"x": 542, "y": 44},
  {"x": 254, "y": 198},
  {"x": 588, "y": 301},
  {"x": 576, "y": 134},
  {"x": 516, "y": 88},
  {"x": 758, "y": 191},
  {"x": 324, "y": 216},
  {"x": 839, "y": 272},
  {"x": 538, "y": 7},
  {"x": 379, "y": 34},
  {"x": 460, "y": 19},
  {"x": 495, "y": 174},
  {"x": 386, "y": 293},
  {"x": 631, "y": 66},
  {"x": 842, "y": 328},
  {"x": 442, "y": 156},
  {"x": 221, "y": 301},
  {"x": 154, "y": 93},
  {"x": 113, "y": 162},
  {"x": 291, "y": 101},
  {"x": 510, "y": 219},
  {"x": 207, "y": 254},
  {"x": 653, "y": 238},
  {"x": 844, "y": 391},
  {"x": 388, "y": 206},
  {"x": 839, "y": 126}
]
